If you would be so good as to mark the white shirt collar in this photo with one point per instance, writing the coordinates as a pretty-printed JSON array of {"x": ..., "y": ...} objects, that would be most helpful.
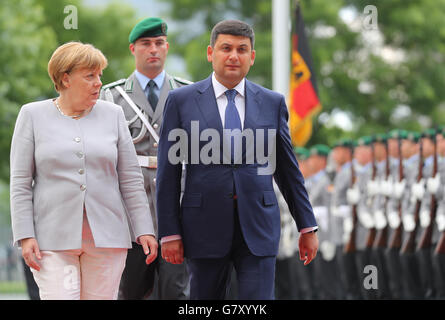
[{"x": 221, "y": 89}]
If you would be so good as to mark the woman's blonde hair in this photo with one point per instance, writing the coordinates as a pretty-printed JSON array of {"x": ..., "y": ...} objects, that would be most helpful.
[{"x": 71, "y": 56}]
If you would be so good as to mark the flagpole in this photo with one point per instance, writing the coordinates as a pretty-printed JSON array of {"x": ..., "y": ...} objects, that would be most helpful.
[{"x": 281, "y": 45}]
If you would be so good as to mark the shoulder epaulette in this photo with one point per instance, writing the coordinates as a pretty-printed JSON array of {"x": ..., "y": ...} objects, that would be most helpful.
[
  {"x": 113, "y": 84},
  {"x": 182, "y": 81}
]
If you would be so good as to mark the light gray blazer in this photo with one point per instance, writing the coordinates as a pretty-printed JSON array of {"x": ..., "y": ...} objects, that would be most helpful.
[{"x": 59, "y": 164}]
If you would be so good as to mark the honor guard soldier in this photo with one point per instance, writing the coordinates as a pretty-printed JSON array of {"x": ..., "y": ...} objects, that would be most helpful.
[
  {"x": 379, "y": 211},
  {"x": 439, "y": 251},
  {"x": 142, "y": 96},
  {"x": 291, "y": 278},
  {"x": 394, "y": 209},
  {"x": 341, "y": 210},
  {"x": 319, "y": 191},
  {"x": 427, "y": 235},
  {"x": 365, "y": 172}
]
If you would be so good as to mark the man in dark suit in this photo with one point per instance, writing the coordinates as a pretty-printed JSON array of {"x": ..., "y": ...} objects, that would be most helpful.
[{"x": 228, "y": 216}]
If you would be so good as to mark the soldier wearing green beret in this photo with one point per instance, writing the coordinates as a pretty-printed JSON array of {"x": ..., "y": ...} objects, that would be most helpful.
[
  {"x": 302, "y": 155},
  {"x": 142, "y": 96}
]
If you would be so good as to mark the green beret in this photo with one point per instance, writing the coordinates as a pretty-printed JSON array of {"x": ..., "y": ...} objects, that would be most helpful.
[
  {"x": 301, "y": 153},
  {"x": 344, "y": 143},
  {"x": 413, "y": 136},
  {"x": 380, "y": 137},
  {"x": 150, "y": 27},
  {"x": 365, "y": 141},
  {"x": 429, "y": 133},
  {"x": 319, "y": 150},
  {"x": 397, "y": 134}
]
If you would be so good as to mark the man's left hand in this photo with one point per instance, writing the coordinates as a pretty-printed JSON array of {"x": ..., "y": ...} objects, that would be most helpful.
[{"x": 308, "y": 244}]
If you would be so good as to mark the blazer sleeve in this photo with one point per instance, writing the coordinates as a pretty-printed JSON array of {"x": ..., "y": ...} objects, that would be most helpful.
[
  {"x": 288, "y": 176},
  {"x": 168, "y": 179},
  {"x": 22, "y": 168},
  {"x": 131, "y": 182}
]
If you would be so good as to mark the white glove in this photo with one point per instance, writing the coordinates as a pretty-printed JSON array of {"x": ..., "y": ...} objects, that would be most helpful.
[
  {"x": 393, "y": 219},
  {"x": 366, "y": 219},
  {"x": 373, "y": 188},
  {"x": 380, "y": 219},
  {"x": 440, "y": 220},
  {"x": 353, "y": 195},
  {"x": 418, "y": 189},
  {"x": 386, "y": 187},
  {"x": 399, "y": 188},
  {"x": 433, "y": 184},
  {"x": 327, "y": 250},
  {"x": 425, "y": 218},
  {"x": 408, "y": 222}
]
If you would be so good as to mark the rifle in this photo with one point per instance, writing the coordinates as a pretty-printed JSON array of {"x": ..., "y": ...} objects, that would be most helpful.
[
  {"x": 426, "y": 238},
  {"x": 396, "y": 240},
  {"x": 351, "y": 244},
  {"x": 372, "y": 231},
  {"x": 410, "y": 243},
  {"x": 382, "y": 236},
  {"x": 440, "y": 248}
]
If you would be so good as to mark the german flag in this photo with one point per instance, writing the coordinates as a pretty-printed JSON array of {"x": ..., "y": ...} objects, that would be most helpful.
[{"x": 303, "y": 99}]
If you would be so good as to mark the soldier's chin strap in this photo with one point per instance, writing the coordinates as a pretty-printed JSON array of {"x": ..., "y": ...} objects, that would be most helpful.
[{"x": 139, "y": 113}]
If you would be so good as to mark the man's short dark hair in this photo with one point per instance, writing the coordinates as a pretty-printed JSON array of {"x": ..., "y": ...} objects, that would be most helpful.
[{"x": 234, "y": 28}]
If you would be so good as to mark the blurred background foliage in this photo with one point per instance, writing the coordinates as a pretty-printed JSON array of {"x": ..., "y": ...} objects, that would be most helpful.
[{"x": 368, "y": 80}]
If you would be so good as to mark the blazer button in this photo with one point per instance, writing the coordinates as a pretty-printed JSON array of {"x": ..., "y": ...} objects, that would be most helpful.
[
  {"x": 83, "y": 187},
  {"x": 77, "y": 139},
  {"x": 156, "y": 126},
  {"x": 231, "y": 195},
  {"x": 81, "y": 171}
]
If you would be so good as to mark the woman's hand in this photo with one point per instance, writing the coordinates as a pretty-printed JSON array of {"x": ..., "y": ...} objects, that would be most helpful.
[
  {"x": 150, "y": 246},
  {"x": 30, "y": 249}
]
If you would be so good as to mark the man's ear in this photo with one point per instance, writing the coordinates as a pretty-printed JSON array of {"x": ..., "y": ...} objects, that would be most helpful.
[
  {"x": 209, "y": 53},
  {"x": 252, "y": 60},
  {"x": 131, "y": 46}
]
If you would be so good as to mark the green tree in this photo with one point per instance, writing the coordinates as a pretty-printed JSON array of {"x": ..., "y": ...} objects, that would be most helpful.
[{"x": 353, "y": 73}]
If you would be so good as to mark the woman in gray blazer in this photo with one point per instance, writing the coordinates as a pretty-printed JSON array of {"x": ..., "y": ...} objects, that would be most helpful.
[{"x": 77, "y": 193}]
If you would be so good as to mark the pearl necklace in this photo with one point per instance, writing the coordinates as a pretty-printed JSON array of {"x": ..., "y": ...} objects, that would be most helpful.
[{"x": 63, "y": 114}]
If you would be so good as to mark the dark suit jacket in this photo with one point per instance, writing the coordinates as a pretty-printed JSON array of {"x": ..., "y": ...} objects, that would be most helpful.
[{"x": 205, "y": 216}]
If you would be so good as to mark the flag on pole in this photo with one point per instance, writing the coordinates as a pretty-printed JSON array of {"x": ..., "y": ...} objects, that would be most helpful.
[{"x": 303, "y": 98}]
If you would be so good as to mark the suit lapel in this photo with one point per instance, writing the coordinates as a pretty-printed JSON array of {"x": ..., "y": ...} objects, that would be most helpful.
[
  {"x": 252, "y": 106},
  {"x": 206, "y": 102},
  {"x": 137, "y": 94}
]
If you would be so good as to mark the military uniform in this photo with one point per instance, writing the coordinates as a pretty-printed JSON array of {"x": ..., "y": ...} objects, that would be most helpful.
[
  {"x": 394, "y": 221},
  {"x": 425, "y": 253},
  {"x": 138, "y": 279},
  {"x": 341, "y": 216},
  {"x": 325, "y": 267},
  {"x": 291, "y": 279},
  {"x": 365, "y": 219}
]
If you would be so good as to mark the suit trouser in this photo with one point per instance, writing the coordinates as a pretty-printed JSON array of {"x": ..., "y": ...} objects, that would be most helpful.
[
  {"x": 89, "y": 273},
  {"x": 286, "y": 279},
  {"x": 210, "y": 277},
  {"x": 159, "y": 280}
]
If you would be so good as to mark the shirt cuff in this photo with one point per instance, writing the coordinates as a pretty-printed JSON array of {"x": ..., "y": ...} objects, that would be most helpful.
[
  {"x": 170, "y": 238},
  {"x": 306, "y": 230}
]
